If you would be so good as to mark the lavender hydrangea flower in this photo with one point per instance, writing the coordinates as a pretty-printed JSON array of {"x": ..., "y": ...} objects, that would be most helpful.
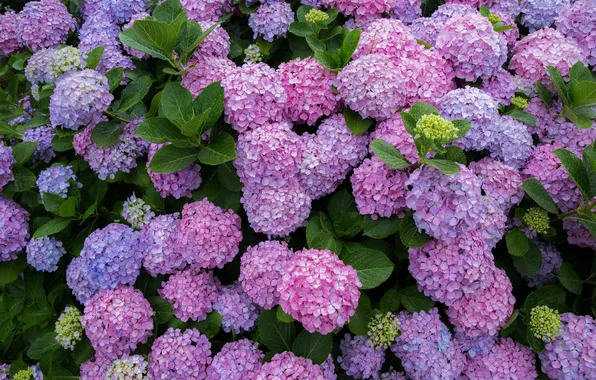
[
  {"x": 578, "y": 21},
  {"x": 43, "y": 24},
  {"x": 238, "y": 312},
  {"x": 428, "y": 28},
  {"x": 236, "y": 361},
  {"x": 206, "y": 10},
  {"x": 158, "y": 238},
  {"x": 44, "y": 253},
  {"x": 128, "y": 367},
  {"x": 407, "y": 10},
  {"x": 365, "y": 9},
  {"x": 359, "y": 358},
  {"x": 46, "y": 65},
  {"x": 577, "y": 234},
  {"x": 493, "y": 223},
  {"x": 56, "y": 180},
  {"x": 540, "y": 14},
  {"x": 178, "y": 354},
  {"x": 9, "y": 43},
  {"x": 43, "y": 137},
  {"x": 7, "y": 160},
  {"x": 506, "y": 359},
  {"x": 499, "y": 181},
  {"x": 77, "y": 278},
  {"x": 511, "y": 143},
  {"x": 80, "y": 98},
  {"x": 206, "y": 70},
  {"x": 551, "y": 262},
  {"x": 271, "y": 20},
  {"x": 14, "y": 229},
  {"x": 501, "y": 86},
  {"x": 136, "y": 212},
  {"x": 95, "y": 368},
  {"x": 388, "y": 37},
  {"x": 476, "y": 346},
  {"x": 289, "y": 366}
]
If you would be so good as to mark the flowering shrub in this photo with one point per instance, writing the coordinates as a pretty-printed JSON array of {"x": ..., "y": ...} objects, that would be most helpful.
[{"x": 309, "y": 189}]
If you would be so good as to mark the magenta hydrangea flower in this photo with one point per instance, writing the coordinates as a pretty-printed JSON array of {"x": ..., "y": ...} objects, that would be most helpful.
[
  {"x": 427, "y": 28},
  {"x": 206, "y": 10},
  {"x": 56, "y": 180},
  {"x": 158, "y": 239},
  {"x": 14, "y": 229},
  {"x": 178, "y": 184},
  {"x": 578, "y": 21},
  {"x": 77, "y": 278},
  {"x": 261, "y": 269},
  {"x": 271, "y": 20},
  {"x": 551, "y": 263},
  {"x": 501, "y": 86},
  {"x": 546, "y": 47},
  {"x": 208, "y": 236},
  {"x": 238, "y": 312},
  {"x": 80, "y": 98},
  {"x": 289, "y": 366},
  {"x": 319, "y": 290},
  {"x": 130, "y": 51},
  {"x": 365, "y": 9},
  {"x": 7, "y": 160},
  {"x": 511, "y": 141},
  {"x": 309, "y": 88},
  {"x": 407, "y": 11},
  {"x": 177, "y": 354},
  {"x": 485, "y": 311},
  {"x": 44, "y": 253},
  {"x": 238, "y": 360},
  {"x": 536, "y": 14},
  {"x": 206, "y": 71},
  {"x": 43, "y": 24},
  {"x": 276, "y": 211},
  {"x": 254, "y": 95},
  {"x": 507, "y": 359},
  {"x": 389, "y": 37},
  {"x": 191, "y": 293},
  {"x": 359, "y": 358},
  {"x": 9, "y": 42},
  {"x": 216, "y": 45},
  {"x": 493, "y": 223},
  {"x": 571, "y": 354},
  {"x": 373, "y": 86},
  {"x": 95, "y": 368},
  {"x": 121, "y": 156},
  {"x": 499, "y": 181},
  {"x": 43, "y": 137},
  {"x": 476, "y": 346},
  {"x": 393, "y": 131},
  {"x": 472, "y": 45},
  {"x": 378, "y": 189},
  {"x": 578, "y": 235},
  {"x": 426, "y": 348},
  {"x": 445, "y": 206},
  {"x": 115, "y": 321}
]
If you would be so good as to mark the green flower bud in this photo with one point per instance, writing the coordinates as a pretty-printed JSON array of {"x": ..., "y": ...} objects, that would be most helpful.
[
  {"x": 537, "y": 219},
  {"x": 252, "y": 54},
  {"x": 383, "y": 330},
  {"x": 434, "y": 127},
  {"x": 24, "y": 374},
  {"x": 315, "y": 15},
  {"x": 545, "y": 323},
  {"x": 494, "y": 18},
  {"x": 69, "y": 330},
  {"x": 519, "y": 102}
]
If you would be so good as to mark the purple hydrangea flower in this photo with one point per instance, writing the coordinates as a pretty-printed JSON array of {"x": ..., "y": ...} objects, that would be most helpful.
[
  {"x": 236, "y": 361},
  {"x": 14, "y": 229},
  {"x": 6, "y": 162},
  {"x": 115, "y": 321},
  {"x": 178, "y": 184},
  {"x": 428, "y": 28},
  {"x": 551, "y": 262},
  {"x": 577, "y": 234},
  {"x": 271, "y": 20},
  {"x": 578, "y": 21},
  {"x": 46, "y": 65},
  {"x": 9, "y": 43},
  {"x": 501, "y": 86},
  {"x": 388, "y": 37},
  {"x": 44, "y": 253},
  {"x": 158, "y": 239},
  {"x": 43, "y": 24},
  {"x": 476, "y": 346},
  {"x": 289, "y": 366},
  {"x": 493, "y": 223},
  {"x": 77, "y": 278},
  {"x": 566, "y": 133},
  {"x": 238, "y": 312},
  {"x": 499, "y": 181},
  {"x": 511, "y": 141},
  {"x": 56, "y": 180},
  {"x": 359, "y": 358},
  {"x": 206, "y": 10},
  {"x": 407, "y": 10},
  {"x": 95, "y": 368},
  {"x": 365, "y": 9},
  {"x": 206, "y": 71},
  {"x": 43, "y": 137},
  {"x": 507, "y": 359},
  {"x": 540, "y": 14},
  {"x": 177, "y": 354}
]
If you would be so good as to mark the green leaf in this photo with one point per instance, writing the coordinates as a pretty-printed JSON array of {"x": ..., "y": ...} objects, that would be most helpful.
[
  {"x": 381, "y": 227},
  {"x": 575, "y": 167},
  {"x": 189, "y": 33},
  {"x": 317, "y": 46},
  {"x": 523, "y": 116},
  {"x": 176, "y": 103},
  {"x": 52, "y": 202},
  {"x": 43, "y": 344},
  {"x": 484, "y": 11},
  {"x": 453, "y": 153},
  {"x": 544, "y": 94},
  {"x": 355, "y": 122},
  {"x": 24, "y": 179},
  {"x": 326, "y": 59},
  {"x": 170, "y": 159},
  {"x": 195, "y": 126},
  {"x": 347, "y": 222},
  {"x": 389, "y": 154},
  {"x": 315, "y": 346},
  {"x": 373, "y": 267},
  {"x": 517, "y": 242},
  {"x": 210, "y": 101},
  {"x": 548, "y": 295},
  {"x": 358, "y": 324},
  {"x": 168, "y": 11},
  {"x": 203, "y": 36},
  {"x": 159, "y": 130},
  {"x": 503, "y": 28},
  {"x": 325, "y": 241},
  {"x": 228, "y": 177},
  {"x": 62, "y": 143},
  {"x": 445, "y": 166},
  {"x": 590, "y": 225},
  {"x": 210, "y": 326},
  {"x": 559, "y": 83},
  {"x": 420, "y": 109},
  {"x": 538, "y": 193},
  {"x": 83, "y": 351},
  {"x": 536, "y": 344},
  {"x": 52, "y": 227},
  {"x": 414, "y": 301},
  {"x": 390, "y": 301},
  {"x": 106, "y": 133},
  {"x": 94, "y": 57},
  {"x": 580, "y": 72},
  {"x": 531, "y": 262},
  {"x": 349, "y": 45},
  {"x": 302, "y": 11},
  {"x": 302, "y": 29},
  {"x": 140, "y": 87},
  {"x": 23, "y": 151},
  {"x": 162, "y": 308},
  {"x": 68, "y": 207},
  {"x": 409, "y": 233},
  {"x": 114, "y": 77},
  {"x": 584, "y": 94},
  {"x": 277, "y": 336},
  {"x": 221, "y": 149},
  {"x": 284, "y": 317},
  {"x": 462, "y": 126},
  {"x": 569, "y": 278},
  {"x": 10, "y": 270},
  {"x": 156, "y": 38}
]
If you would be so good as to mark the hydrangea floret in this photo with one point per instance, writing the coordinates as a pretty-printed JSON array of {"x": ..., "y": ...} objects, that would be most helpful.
[
  {"x": 545, "y": 323},
  {"x": 136, "y": 212},
  {"x": 435, "y": 128},
  {"x": 519, "y": 102},
  {"x": 383, "y": 330},
  {"x": 314, "y": 16},
  {"x": 69, "y": 330}
]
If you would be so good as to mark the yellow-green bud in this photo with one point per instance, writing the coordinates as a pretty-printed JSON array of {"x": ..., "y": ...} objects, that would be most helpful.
[
  {"x": 24, "y": 374},
  {"x": 434, "y": 127},
  {"x": 545, "y": 323},
  {"x": 494, "y": 18},
  {"x": 252, "y": 54},
  {"x": 69, "y": 330},
  {"x": 383, "y": 330},
  {"x": 315, "y": 15},
  {"x": 520, "y": 102},
  {"x": 537, "y": 219}
]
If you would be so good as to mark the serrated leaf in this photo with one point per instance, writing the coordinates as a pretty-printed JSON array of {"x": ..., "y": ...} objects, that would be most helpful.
[
  {"x": 389, "y": 154},
  {"x": 94, "y": 57},
  {"x": 544, "y": 94},
  {"x": 10, "y": 270},
  {"x": 23, "y": 151},
  {"x": 559, "y": 83},
  {"x": 62, "y": 143},
  {"x": 43, "y": 344},
  {"x": 106, "y": 133},
  {"x": 210, "y": 101},
  {"x": 315, "y": 346},
  {"x": 409, "y": 234},
  {"x": 349, "y": 45},
  {"x": 373, "y": 267},
  {"x": 168, "y": 11},
  {"x": 517, "y": 242},
  {"x": 445, "y": 166},
  {"x": 159, "y": 130},
  {"x": 576, "y": 170},
  {"x": 548, "y": 295},
  {"x": 381, "y": 227},
  {"x": 114, "y": 77},
  {"x": 420, "y": 109},
  {"x": 538, "y": 193},
  {"x": 355, "y": 122},
  {"x": 453, "y": 153},
  {"x": 531, "y": 262},
  {"x": 326, "y": 59},
  {"x": 414, "y": 301},
  {"x": 325, "y": 241},
  {"x": 176, "y": 104},
  {"x": 24, "y": 179},
  {"x": 358, "y": 324},
  {"x": 301, "y": 28},
  {"x": 156, "y": 38},
  {"x": 170, "y": 159},
  {"x": 52, "y": 227},
  {"x": 162, "y": 309},
  {"x": 277, "y": 336},
  {"x": 221, "y": 149},
  {"x": 523, "y": 116},
  {"x": 569, "y": 278},
  {"x": 283, "y": 317},
  {"x": 390, "y": 301}
]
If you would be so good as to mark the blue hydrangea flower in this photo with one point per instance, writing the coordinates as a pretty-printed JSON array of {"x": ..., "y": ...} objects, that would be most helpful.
[
  {"x": 56, "y": 180},
  {"x": 44, "y": 253}
]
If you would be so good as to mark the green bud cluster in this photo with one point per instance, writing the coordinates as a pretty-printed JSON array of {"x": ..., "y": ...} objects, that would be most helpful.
[
  {"x": 252, "y": 54},
  {"x": 435, "y": 128},
  {"x": 494, "y": 18},
  {"x": 69, "y": 330},
  {"x": 383, "y": 330},
  {"x": 24, "y": 374},
  {"x": 68, "y": 58},
  {"x": 315, "y": 15},
  {"x": 537, "y": 219},
  {"x": 545, "y": 323},
  {"x": 520, "y": 102}
]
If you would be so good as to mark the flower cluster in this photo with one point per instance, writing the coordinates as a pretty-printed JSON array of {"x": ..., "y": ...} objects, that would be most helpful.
[
  {"x": 271, "y": 20},
  {"x": 14, "y": 233},
  {"x": 507, "y": 359},
  {"x": 136, "y": 212},
  {"x": 56, "y": 180},
  {"x": 158, "y": 239},
  {"x": 43, "y": 24},
  {"x": 129, "y": 367},
  {"x": 289, "y": 366},
  {"x": 178, "y": 354},
  {"x": 236, "y": 309},
  {"x": 43, "y": 137},
  {"x": 545, "y": 323},
  {"x": 577, "y": 20},
  {"x": 69, "y": 330},
  {"x": 236, "y": 361},
  {"x": 383, "y": 330},
  {"x": 359, "y": 358},
  {"x": 44, "y": 253}
]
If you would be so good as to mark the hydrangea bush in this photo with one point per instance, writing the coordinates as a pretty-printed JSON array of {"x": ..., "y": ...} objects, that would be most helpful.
[{"x": 309, "y": 189}]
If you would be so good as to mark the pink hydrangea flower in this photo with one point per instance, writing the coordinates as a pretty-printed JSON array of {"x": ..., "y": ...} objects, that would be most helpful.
[
  {"x": 407, "y": 11},
  {"x": 389, "y": 37},
  {"x": 14, "y": 233},
  {"x": 493, "y": 223},
  {"x": 359, "y": 358},
  {"x": 206, "y": 10},
  {"x": 501, "y": 86},
  {"x": 578, "y": 21},
  {"x": 95, "y": 368},
  {"x": 206, "y": 71},
  {"x": 238, "y": 312},
  {"x": 177, "y": 355},
  {"x": 158, "y": 239},
  {"x": 178, "y": 184},
  {"x": 271, "y": 20},
  {"x": 507, "y": 359},
  {"x": 289, "y": 366},
  {"x": 499, "y": 181},
  {"x": 365, "y": 8},
  {"x": 9, "y": 43},
  {"x": 44, "y": 24},
  {"x": 238, "y": 360}
]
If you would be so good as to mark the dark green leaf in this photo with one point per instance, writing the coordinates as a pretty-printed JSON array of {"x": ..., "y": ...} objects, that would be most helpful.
[
  {"x": 347, "y": 222},
  {"x": 23, "y": 151},
  {"x": 83, "y": 351},
  {"x": 315, "y": 346},
  {"x": 580, "y": 72},
  {"x": 349, "y": 46},
  {"x": 445, "y": 166},
  {"x": 140, "y": 87},
  {"x": 176, "y": 103},
  {"x": 389, "y": 154},
  {"x": 62, "y": 143},
  {"x": 453, "y": 153},
  {"x": 420, "y": 109},
  {"x": 195, "y": 126},
  {"x": 228, "y": 177},
  {"x": 355, "y": 122},
  {"x": 168, "y": 11},
  {"x": 156, "y": 38},
  {"x": 548, "y": 295},
  {"x": 326, "y": 59},
  {"x": 517, "y": 242},
  {"x": 409, "y": 233},
  {"x": 10, "y": 270},
  {"x": 325, "y": 241},
  {"x": 43, "y": 344},
  {"x": 68, "y": 207},
  {"x": 94, "y": 57},
  {"x": 381, "y": 227},
  {"x": 358, "y": 324},
  {"x": 414, "y": 301},
  {"x": 536, "y": 344},
  {"x": 576, "y": 170},
  {"x": 559, "y": 83},
  {"x": 114, "y": 77},
  {"x": 569, "y": 278},
  {"x": 52, "y": 202},
  {"x": 277, "y": 336},
  {"x": 162, "y": 308},
  {"x": 544, "y": 94},
  {"x": 221, "y": 149},
  {"x": 210, "y": 101},
  {"x": 301, "y": 29},
  {"x": 159, "y": 130},
  {"x": 170, "y": 159},
  {"x": 24, "y": 179},
  {"x": 284, "y": 317},
  {"x": 523, "y": 116},
  {"x": 106, "y": 133},
  {"x": 373, "y": 267},
  {"x": 538, "y": 193},
  {"x": 52, "y": 227},
  {"x": 531, "y": 262},
  {"x": 390, "y": 301},
  {"x": 590, "y": 225},
  {"x": 462, "y": 126},
  {"x": 210, "y": 326}
]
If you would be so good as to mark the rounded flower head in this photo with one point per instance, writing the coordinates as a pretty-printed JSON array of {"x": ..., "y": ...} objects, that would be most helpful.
[
  {"x": 545, "y": 323},
  {"x": 507, "y": 359},
  {"x": 206, "y": 71},
  {"x": 178, "y": 355},
  {"x": 261, "y": 269},
  {"x": 9, "y": 43},
  {"x": 501, "y": 87},
  {"x": 372, "y": 86},
  {"x": 499, "y": 181},
  {"x": 309, "y": 87},
  {"x": 115, "y": 321},
  {"x": 540, "y": 14},
  {"x": 43, "y": 137},
  {"x": 435, "y": 128},
  {"x": 427, "y": 28},
  {"x": 448, "y": 271},
  {"x": 378, "y": 189},
  {"x": 46, "y": 65},
  {"x": 128, "y": 368},
  {"x": 359, "y": 357},
  {"x": 77, "y": 278},
  {"x": 407, "y": 11},
  {"x": 319, "y": 290},
  {"x": 252, "y": 54},
  {"x": 393, "y": 131},
  {"x": 254, "y": 95},
  {"x": 208, "y": 236},
  {"x": 578, "y": 21},
  {"x": 130, "y": 51},
  {"x": 236, "y": 361},
  {"x": 315, "y": 15},
  {"x": 43, "y": 24},
  {"x": 493, "y": 223},
  {"x": 537, "y": 220},
  {"x": 206, "y": 10},
  {"x": 485, "y": 311},
  {"x": 69, "y": 330},
  {"x": 383, "y": 330},
  {"x": 577, "y": 234},
  {"x": 290, "y": 367},
  {"x": 79, "y": 98},
  {"x": 56, "y": 180},
  {"x": 571, "y": 354},
  {"x": 136, "y": 212},
  {"x": 388, "y": 37},
  {"x": 44, "y": 253},
  {"x": 445, "y": 206},
  {"x": 510, "y": 141},
  {"x": 476, "y": 346},
  {"x": 520, "y": 102},
  {"x": 6, "y": 163},
  {"x": 546, "y": 47},
  {"x": 95, "y": 368},
  {"x": 191, "y": 293},
  {"x": 271, "y": 20},
  {"x": 216, "y": 45},
  {"x": 238, "y": 312},
  {"x": 158, "y": 238},
  {"x": 14, "y": 229},
  {"x": 276, "y": 211},
  {"x": 178, "y": 184},
  {"x": 365, "y": 9}
]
